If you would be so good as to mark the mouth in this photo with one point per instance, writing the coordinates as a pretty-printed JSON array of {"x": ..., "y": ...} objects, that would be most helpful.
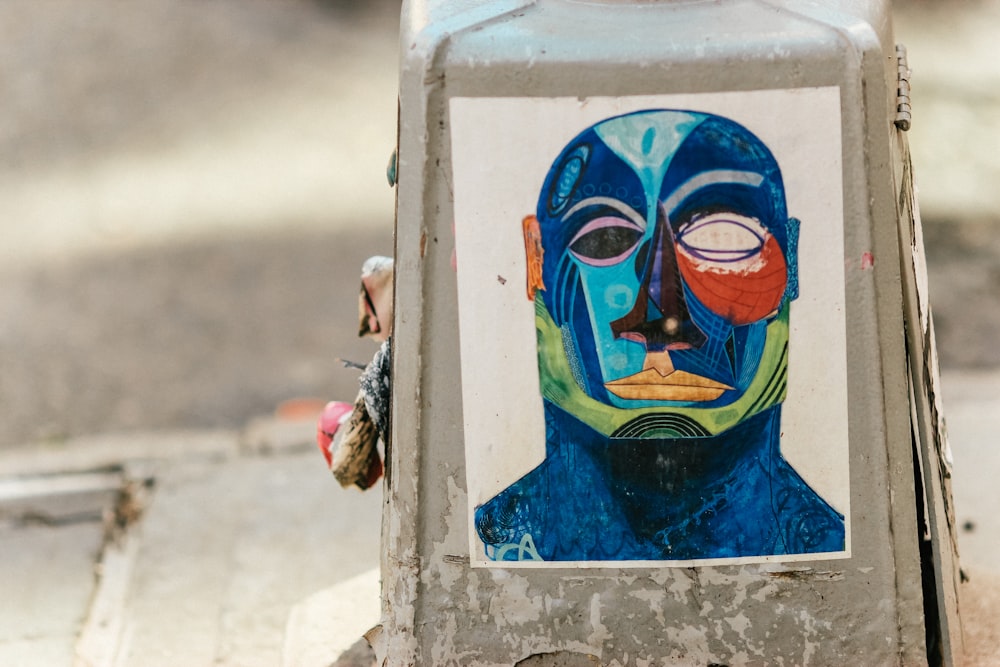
[{"x": 651, "y": 385}]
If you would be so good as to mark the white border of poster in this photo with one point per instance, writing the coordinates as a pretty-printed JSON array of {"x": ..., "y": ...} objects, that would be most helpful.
[{"x": 502, "y": 149}]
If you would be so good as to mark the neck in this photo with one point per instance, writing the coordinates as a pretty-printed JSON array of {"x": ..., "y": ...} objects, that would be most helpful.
[{"x": 673, "y": 471}]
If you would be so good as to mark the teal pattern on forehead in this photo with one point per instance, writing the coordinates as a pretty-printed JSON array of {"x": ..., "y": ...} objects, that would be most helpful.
[{"x": 646, "y": 141}]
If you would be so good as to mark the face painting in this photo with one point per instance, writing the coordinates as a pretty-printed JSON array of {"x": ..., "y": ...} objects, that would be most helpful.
[
  {"x": 667, "y": 263},
  {"x": 662, "y": 264}
]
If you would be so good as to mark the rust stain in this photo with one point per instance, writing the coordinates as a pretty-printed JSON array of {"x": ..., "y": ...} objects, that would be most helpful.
[
  {"x": 807, "y": 573},
  {"x": 560, "y": 659},
  {"x": 423, "y": 244}
]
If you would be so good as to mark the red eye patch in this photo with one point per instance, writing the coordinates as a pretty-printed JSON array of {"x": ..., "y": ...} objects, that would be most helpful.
[{"x": 740, "y": 295}]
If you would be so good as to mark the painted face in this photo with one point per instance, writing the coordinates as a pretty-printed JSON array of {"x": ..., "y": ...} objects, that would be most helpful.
[{"x": 668, "y": 264}]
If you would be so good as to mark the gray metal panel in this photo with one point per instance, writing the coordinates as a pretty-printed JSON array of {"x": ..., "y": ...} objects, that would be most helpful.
[{"x": 866, "y": 610}]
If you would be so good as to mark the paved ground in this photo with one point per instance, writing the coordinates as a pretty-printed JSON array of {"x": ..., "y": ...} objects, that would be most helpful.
[
  {"x": 184, "y": 548},
  {"x": 187, "y": 191}
]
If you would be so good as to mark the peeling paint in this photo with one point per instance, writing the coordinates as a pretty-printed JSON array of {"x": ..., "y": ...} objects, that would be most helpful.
[
  {"x": 442, "y": 650},
  {"x": 515, "y": 606},
  {"x": 472, "y": 586},
  {"x": 694, "y": 643},
  {"x": 443, "y": 564},
  {"x": 559, "y": 659},
  {"x": 807, "y": 574},
  {"x": 740, "y": 623},
  {"x": 681, "y": 586},
  {"x": 600, "y": 632},
  {"x": 813, "y": 628},
  {"x": 655, "y": 598}
]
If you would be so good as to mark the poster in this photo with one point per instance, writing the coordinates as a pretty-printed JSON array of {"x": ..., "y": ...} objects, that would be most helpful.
[{"x": 651, "y": 315}]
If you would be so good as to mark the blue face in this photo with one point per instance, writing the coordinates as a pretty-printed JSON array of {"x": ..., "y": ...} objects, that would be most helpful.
[{"x": 666, "y": 255}]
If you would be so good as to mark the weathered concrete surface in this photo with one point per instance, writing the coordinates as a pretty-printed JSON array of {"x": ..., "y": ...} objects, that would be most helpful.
[{"x": 233, "y": 532}]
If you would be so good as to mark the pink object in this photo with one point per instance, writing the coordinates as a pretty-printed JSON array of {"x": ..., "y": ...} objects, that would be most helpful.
[
  {"x": 867, "y": 261},
  {"x": 335, "y": 415}
]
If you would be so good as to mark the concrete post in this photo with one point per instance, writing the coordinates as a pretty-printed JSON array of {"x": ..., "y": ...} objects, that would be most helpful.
[{"x": 663, "y": 374}]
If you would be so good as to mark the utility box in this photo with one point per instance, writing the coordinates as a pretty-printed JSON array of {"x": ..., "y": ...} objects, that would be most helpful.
[{"x": 663, "y": 382}]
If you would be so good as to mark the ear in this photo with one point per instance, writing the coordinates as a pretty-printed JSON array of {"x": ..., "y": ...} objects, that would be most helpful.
[
  {"x": 792, "y": 259},
  {"x": 533, "y": 255}
]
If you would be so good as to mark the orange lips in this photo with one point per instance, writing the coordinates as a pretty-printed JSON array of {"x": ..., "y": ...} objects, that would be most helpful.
[{"x": 658, "y": 381}]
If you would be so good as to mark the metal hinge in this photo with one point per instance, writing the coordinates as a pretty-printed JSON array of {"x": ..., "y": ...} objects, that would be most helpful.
[{"x": 903, "y": 110}]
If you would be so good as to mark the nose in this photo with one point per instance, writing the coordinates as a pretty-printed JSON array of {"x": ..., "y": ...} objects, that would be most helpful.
[{"x": 660, "y": 318}]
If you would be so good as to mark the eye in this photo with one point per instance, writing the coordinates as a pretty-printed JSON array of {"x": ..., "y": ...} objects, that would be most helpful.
[
  {"x": 722, "y": 238},
  {"x": 605, "y": 241}
]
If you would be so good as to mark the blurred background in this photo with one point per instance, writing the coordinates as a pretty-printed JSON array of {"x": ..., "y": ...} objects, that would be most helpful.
[
  {"x": 187, "y": 192},
  {"x": 188, "y": 189},
  {"x": 955, "y": 141}
]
